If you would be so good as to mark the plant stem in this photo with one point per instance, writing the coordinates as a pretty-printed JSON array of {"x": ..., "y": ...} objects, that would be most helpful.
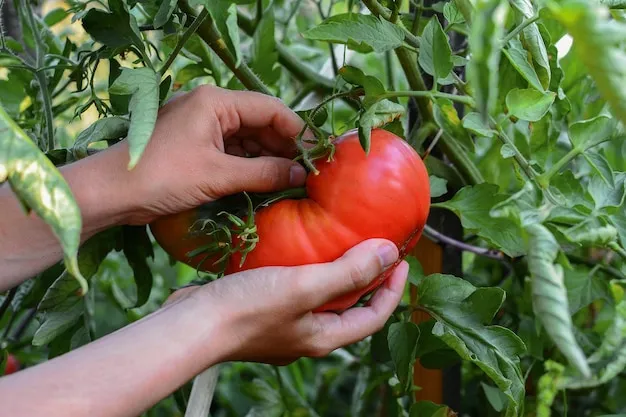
[
  {"x": 397, "y": 5},
  {"x": 544, "y": 179},
  {"x": 415, "y": 28},
  {"x": 439, "y": 237},
  {"x": 181, "y": 43},
  {"x": 609, "y": 270},
  {"x": 7, "y": 301},
  {"x": 40, "y": 76},
  {"x": 461, "y": 160},
  {"x": 525, "y": 23},
  {"x": 408, "y": 62},
  {"x": 519, "y": 158},
  {"x": 618, "y": 249},
  {"x": 430, "y": 94},
  {"x": 294, "y": 65},
  {"x": 378, "y": 9},
  {"x": 389, "y": 66},
  {"x": 209, "y": 34},
  {"x": 449, "y": 146}
]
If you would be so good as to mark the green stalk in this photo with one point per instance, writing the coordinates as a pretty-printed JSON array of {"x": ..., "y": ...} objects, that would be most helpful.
[
  {"x": 294, "y": 65},
  {"x": 519, "y": 28},
  {"x": 544, "y": 179},
  {"x": 430, "y": 94},
  {"x": 209, "y": 34},
  {"x": 181, "y": 43},
  {"x": 519, "y": 158}
]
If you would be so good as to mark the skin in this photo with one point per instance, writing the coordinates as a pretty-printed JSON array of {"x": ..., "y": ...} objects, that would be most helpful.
[{"x": 263, "y": 315}]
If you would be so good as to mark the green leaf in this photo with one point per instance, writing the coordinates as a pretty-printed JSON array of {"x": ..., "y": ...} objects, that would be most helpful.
[
  {"x": 109, "y": 128},
  {"x": 474, "y": 123},
  {"x": 372, "y": 85},
  {"x": 116, "y": 30},
  {"x": 362, "y": 33},
  {"x": 435, "y": 55},
  {"x": 589, "y": 133},
  {"x": 265, "y": 56},
  {"x": 379, "y": 114},
  {"x": 610, "y": 356},
  {"x": 484, "y": 40},
  {"x": 607, "y": 198},
  {"x": 447, "y": 118},
  {"x": 534, "y": 43},
  {"x": 437, "y": 186},
  {"x": 529, "y": 104},
  {"x": 428, "y": 408},
  {"x": 55, "y": 16},
  {"x": 591, "y": 232},
  {"x": 143, "y": 85},
  {"x": 165, "y": 12},
  {"x": 462, "y": 312},
  {"x": 40, "y": 187},
  {"x": 495, "y": 397},
  {"x": 402, "y": 339},
  {"x": 190, "y": 72},
  {"x": 473, "y": 205},
  {"x": 452, "y": 14},
  {"x": 416, "y": 272},
  {"x": 137, "y": 248},
  {"x": 598, "y": 40},
  {"x": 601, "y": 166},
  {"x": 549, "y": 296},
  {"x": 584, "y": 287},
  {"x": 63, "y": 302},
  {"x": 518, "y": 57},
  {"x": 224, "y": 14}
]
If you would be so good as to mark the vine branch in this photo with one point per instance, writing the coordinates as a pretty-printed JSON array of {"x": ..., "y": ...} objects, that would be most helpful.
[
  {"x": 211, "y": 35},
  {"x": 438, "y": 237}
]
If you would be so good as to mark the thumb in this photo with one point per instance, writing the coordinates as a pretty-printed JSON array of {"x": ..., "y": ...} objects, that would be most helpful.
[
  {"x": 353, "y": 271},
  {"x": 262, "y": 174}
]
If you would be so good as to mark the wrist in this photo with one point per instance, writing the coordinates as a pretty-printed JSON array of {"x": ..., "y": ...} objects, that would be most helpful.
[{"x": 100, "y": 189}]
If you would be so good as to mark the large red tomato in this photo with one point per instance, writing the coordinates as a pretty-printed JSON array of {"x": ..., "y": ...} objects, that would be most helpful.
[
  {"x": 355, "y": 197},
  {"x": 12, "y": 365}
]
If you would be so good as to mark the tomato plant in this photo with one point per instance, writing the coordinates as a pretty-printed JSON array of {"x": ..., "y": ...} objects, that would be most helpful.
[
  {"x": 516, "y": 108},
  {"x": 384, "y": 194}
]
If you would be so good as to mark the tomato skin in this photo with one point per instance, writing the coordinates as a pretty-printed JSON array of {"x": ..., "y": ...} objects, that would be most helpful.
[
  {"x": 355, "y": 197},
  {"x": 12, "y": 365}
]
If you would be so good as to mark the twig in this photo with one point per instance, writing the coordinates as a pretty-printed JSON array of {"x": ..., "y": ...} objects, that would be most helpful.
[
  {"x": 437, "y": 236},
  {"x": 181, "y": 43},
  {"x": 209, "y": 34}
]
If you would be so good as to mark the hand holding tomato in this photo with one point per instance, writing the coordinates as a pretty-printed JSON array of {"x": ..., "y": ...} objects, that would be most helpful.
[
  {"x": 198, "y": 151},
  {"x": 267, "y": 313}
]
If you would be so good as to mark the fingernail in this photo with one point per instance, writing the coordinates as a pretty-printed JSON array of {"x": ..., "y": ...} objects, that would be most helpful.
[
  {"x": 297, "y": 175},
  {"x": 388, "y": 254}
]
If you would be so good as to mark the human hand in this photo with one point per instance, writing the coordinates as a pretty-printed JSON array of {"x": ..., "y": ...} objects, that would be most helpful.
[
  {"x": 197, "y": 153},
  {"x": 265, "y": 315}
]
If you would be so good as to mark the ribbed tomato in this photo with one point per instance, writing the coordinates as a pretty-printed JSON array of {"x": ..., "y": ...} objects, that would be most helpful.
[{"x": 355, "y": 197}]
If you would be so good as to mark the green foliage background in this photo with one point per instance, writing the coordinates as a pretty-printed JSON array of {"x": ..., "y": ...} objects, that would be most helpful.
[{"x": 525, "y": 144}]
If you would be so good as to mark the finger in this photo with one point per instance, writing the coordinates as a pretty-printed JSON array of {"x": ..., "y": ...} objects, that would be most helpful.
[
  {"x": 268, "y": 139},
  {"x": 355, "y": 270},
  {"x": 357, "y": 323},
  {"x": 258, "y": 110},
  {"x": 260, "y": 175}
]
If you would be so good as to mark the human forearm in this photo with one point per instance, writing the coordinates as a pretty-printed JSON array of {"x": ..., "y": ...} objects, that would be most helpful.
[
  {"x": 27, "y": 244},
  {"x": 121, "y": 374}
]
